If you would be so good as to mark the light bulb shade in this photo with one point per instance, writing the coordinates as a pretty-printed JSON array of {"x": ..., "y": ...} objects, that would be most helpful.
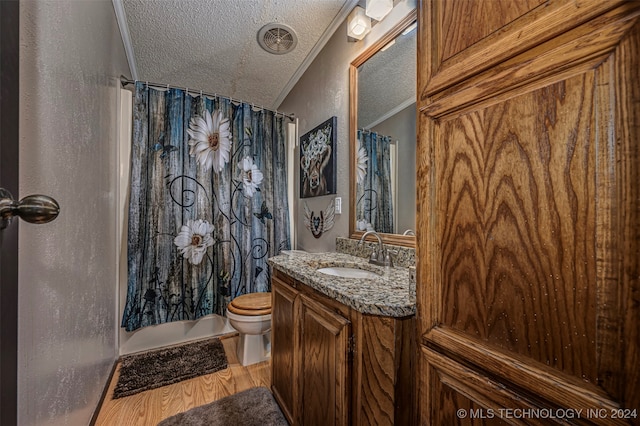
[
  {"x": 358, "y": 23},
  {"x": 378, "y": 9}
]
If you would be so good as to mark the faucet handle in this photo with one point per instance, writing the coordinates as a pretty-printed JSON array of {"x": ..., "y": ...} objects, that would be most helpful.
[
  {"x": 373, "y": 258},
  {"x": 388, "y": 257}
]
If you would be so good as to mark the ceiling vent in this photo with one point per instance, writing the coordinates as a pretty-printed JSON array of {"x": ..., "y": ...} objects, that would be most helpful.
[{"x": 277, "y": 38}]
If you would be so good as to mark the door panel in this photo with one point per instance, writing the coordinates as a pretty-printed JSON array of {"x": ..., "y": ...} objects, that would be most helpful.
[
  {"x": 466, "y": 397},
  {"x": 516, "y": 209},
  {"x": 451, "y": 53},
  {"x": 529, "y": 217},
  {"x": 324, "y": 346},
  {"x": 284, "y": 346},
  {"x": 459, "y": 18}
]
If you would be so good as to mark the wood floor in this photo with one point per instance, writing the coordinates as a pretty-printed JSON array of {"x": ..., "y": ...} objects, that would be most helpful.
[{"x": 150, "y": 407}]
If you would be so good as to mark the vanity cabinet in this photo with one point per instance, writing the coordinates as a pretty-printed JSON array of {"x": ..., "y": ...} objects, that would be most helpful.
[{"x": 332, "y": 365}]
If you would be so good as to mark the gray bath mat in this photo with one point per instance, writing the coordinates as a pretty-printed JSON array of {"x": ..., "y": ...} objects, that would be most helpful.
[
  {"x": 153, "y": 369},
  {"x": 252, "y": 407}
]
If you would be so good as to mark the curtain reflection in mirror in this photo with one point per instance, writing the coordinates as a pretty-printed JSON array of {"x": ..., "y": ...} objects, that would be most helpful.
[{"x": 374, "y": 198}]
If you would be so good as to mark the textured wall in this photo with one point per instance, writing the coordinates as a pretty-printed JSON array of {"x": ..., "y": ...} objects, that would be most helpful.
[
  {"x": 322, "y": 92},
  {"x": 71, "y": 52}
]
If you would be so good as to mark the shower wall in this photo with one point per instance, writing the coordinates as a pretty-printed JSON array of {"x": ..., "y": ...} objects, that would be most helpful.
[{"x": 71, "y": 54}]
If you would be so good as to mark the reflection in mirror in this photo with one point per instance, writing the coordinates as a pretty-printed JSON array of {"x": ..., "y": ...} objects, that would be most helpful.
[{"x": 384, "y": 137}]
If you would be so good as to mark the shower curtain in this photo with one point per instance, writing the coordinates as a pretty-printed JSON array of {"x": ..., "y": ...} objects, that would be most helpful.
[
  {"x": 208, "y": 204},
  {"x": 374, "y": 202}
]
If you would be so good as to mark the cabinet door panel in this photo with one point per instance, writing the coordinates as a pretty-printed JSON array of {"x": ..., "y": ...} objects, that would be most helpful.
[
  {"x": 324, "y": 365},
  {"x": 283, "y": 346}
]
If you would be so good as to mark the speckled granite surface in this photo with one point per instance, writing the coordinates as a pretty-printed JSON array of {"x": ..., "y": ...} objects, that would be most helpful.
[
  {"x": 387, "y": 295},
  {"x": 405, "y": 256}
]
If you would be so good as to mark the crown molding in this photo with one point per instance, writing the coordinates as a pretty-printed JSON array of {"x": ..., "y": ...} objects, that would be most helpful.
[{"x": 121, "y": 18}]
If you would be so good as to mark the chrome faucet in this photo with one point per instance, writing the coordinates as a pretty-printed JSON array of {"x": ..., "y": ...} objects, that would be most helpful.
[{"x": 380, "y": 256}]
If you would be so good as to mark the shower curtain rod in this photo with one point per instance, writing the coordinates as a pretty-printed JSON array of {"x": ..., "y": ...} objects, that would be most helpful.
[
  {"x": 371, "y": 131},
  {"x": 125, "y": 81}
]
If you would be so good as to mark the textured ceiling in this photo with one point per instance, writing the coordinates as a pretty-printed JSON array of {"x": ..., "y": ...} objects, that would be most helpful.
[
  {"x": 211, "y": 45},
  {"x": 387, "y": 81}
]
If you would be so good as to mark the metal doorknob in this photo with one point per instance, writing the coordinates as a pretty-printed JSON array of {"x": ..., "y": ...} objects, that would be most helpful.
[{"x": 32, "y": 208}]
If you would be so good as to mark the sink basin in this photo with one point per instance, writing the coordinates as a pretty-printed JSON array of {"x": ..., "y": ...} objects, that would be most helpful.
[{"x": 344, "y": 272}]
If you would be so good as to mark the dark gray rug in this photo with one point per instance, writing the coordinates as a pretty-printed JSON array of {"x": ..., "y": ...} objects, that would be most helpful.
[
  {"x": 252, "y": 407},
  {"x": 153, "y": 369}
]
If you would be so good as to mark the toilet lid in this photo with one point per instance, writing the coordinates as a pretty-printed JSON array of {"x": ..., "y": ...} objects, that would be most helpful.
[{"x": 251, "y": 304}]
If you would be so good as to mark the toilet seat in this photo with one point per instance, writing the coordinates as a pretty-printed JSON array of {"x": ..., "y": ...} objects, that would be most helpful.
[{"x": 252, "y": 304}]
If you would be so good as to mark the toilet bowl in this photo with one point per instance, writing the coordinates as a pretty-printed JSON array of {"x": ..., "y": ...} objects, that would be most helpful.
[{"x": 250, "y": 315}]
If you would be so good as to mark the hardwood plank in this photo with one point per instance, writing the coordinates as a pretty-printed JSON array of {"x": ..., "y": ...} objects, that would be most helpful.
[{"x": 150, "y": 407}]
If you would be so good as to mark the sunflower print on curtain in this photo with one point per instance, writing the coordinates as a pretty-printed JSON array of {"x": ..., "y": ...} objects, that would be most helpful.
[
  {"x": 374, "y": 200},
  {"x": 208, "y": 205}
]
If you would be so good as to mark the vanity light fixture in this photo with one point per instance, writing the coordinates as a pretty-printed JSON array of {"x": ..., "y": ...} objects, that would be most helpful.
[
  {"x": 358, "y": 23},
  {"x": 378, "y": 9}
]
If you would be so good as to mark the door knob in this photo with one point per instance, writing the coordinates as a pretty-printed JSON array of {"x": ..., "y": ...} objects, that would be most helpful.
[{"x": 32, "y": 208}]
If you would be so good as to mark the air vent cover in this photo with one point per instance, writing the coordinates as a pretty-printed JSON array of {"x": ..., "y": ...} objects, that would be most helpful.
[{"x": 277, "y": 38}]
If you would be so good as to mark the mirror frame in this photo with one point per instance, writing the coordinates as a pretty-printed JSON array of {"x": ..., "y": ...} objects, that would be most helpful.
[{"x": 393, "y": 239}]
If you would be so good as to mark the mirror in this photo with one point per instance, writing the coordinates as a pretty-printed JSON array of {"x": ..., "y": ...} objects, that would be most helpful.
[{"x": 383, "y": 137}]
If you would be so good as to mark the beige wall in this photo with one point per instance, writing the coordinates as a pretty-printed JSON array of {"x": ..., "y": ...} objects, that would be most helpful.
[
  {"x": 322, "y": 92},
  {"x": 402, "y": 128},
  {"x": 70, "y": 56}
]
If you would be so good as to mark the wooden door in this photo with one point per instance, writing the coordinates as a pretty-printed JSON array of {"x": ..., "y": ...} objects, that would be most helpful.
[
  {"x": 324, "y": 362},
  {"x": 9, "y": 94},
  {"x": 529, "y": 212},
  {"x": 284, "y": 346}
]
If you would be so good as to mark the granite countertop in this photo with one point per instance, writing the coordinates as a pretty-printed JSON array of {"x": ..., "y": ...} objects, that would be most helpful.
[{"x": 387, "y": 295}]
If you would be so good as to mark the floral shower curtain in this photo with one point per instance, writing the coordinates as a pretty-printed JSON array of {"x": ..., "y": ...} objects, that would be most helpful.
[
  {"x": 374, "y": 202},
  {"x": 208, "y": 204}
]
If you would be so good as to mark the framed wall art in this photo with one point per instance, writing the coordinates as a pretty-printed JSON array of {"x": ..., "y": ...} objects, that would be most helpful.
[{"x": 318, "y": 160}]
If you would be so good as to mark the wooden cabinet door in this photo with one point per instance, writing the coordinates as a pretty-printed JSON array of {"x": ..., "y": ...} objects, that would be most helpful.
[
  {"x": 324, "y": 372},
  {"x": 284, "y": 346},
  {"x": 529, "y": 212}
]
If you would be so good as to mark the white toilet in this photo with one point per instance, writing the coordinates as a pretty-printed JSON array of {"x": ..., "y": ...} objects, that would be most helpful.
[{"x": 250, "y": 315}]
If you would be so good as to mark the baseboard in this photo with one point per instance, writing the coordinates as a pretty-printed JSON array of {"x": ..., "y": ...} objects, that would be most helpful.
[{"x": 94, "y": 418}]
